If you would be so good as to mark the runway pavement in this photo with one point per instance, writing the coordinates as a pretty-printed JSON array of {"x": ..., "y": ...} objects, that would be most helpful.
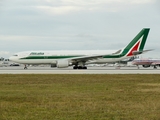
[{"x": 90, "y": 70}]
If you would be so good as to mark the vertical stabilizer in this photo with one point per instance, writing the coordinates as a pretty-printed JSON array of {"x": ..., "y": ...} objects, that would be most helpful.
[{"x": 137, "y": 44}]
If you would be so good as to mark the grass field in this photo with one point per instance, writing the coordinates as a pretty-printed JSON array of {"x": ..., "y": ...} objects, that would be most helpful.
[{"x": 79, "y": 97}]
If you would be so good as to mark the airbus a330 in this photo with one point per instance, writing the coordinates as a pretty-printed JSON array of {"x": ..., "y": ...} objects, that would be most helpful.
[{"x": 80, "y": 58}]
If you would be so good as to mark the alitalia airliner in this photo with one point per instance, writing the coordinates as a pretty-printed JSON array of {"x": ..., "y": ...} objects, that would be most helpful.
[{"x": 80, "y": 58}]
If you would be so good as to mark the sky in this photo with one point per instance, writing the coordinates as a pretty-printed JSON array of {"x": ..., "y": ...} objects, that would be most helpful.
[{"x": 77, "y": 25}]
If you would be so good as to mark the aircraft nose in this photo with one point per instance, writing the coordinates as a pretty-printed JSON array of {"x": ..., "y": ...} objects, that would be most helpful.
[{"x": 12, "y": 58}]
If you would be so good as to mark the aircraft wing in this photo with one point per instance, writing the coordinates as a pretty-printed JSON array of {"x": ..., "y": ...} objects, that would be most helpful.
[{"x": 86, "y": 58}]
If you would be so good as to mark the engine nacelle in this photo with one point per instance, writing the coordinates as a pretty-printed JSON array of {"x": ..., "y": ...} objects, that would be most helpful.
[
  {"x": 145, "y": 66},
  {"x": 62, "y": 63}
]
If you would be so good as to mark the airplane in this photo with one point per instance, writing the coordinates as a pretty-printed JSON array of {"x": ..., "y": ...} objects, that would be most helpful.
[
  {"x": 80, "y": 58},
  {"x": 4, "y": 62},
  {"x": 147, "y": 63}
]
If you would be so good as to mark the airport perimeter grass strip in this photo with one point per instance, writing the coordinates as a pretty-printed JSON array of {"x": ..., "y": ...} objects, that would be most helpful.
[{"x": 80, "y": 97}]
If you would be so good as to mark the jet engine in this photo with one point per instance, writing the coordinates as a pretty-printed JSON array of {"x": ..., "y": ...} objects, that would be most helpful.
[{"x": 62, "y": 63}]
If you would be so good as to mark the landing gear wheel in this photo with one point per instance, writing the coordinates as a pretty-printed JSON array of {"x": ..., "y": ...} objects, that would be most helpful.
[
  {"x": 25, "y": 68},
  {"x": 155, "y": 67},
  {"x": 75, "y": 67},
  {"x": 84, "y": 67},
  {"x": 79, "y": 67}
]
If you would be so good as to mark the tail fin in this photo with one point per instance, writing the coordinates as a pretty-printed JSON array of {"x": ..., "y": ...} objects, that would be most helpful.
[{"x": 137, "y": 44}]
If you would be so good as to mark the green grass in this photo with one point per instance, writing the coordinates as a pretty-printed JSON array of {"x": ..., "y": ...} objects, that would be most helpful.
[{"x": 79, "y": 97}]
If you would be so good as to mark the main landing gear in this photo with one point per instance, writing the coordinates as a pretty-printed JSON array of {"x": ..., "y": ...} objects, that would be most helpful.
[
  {"x": 155, "y": 67},
  {"x": 79, "y": 67}
]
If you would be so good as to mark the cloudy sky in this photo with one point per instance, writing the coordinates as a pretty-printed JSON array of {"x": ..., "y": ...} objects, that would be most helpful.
[{"x": 77, "y": 24}]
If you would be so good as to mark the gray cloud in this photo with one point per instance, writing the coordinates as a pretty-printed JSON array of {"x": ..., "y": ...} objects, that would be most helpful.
[{"x": 76, "y": 24}]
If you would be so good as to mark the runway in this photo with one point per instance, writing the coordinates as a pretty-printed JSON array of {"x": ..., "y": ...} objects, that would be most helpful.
[{"x": 90, "y": 70}]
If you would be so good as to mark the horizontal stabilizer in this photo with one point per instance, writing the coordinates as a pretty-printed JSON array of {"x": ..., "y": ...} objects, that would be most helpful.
[{"x": 140, "y": 52}]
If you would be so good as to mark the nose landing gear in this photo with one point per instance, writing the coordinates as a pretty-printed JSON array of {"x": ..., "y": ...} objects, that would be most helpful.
[{"x": 25, "y": 67}]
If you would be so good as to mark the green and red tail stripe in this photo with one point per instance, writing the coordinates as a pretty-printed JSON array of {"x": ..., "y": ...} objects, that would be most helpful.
[{"x": 137, "y": 44}]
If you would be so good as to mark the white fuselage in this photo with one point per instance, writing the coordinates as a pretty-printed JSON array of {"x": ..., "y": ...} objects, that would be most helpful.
[{"x": 44, "y": 57}]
